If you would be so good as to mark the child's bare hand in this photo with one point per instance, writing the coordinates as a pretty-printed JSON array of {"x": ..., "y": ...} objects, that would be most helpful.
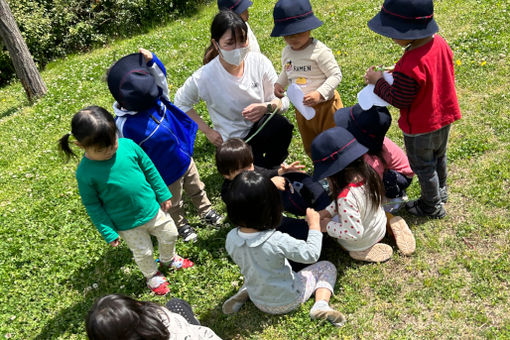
[
  {"x": 313, "y": 98},
  {"x": 293, "y": 167},
  {"x": 324, "y": 224},
  {"x": 166, "y": 205},
  {"x": 372, "y": 76},
  {"x": 313, "y": 219},
  {"x": 324, "y": 214},
  {"x": 279, "y": 91},
  {"x": 115, "y": 243},
  {"x": 279, "y": 182},
  {"x": 147, "y": 55}
]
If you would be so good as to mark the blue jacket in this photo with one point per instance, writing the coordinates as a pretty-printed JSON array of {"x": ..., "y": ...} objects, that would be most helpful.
[{"x": 164, "y": 132}]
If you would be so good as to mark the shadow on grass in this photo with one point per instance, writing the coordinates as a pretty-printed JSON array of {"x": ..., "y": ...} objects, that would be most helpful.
[{"x": 8, "y": 112}]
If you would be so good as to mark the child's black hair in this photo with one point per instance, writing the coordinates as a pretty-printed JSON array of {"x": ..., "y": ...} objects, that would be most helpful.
[
  {"x": 116, "y": 316},
  {"x": 233, "y": 155},
  {"x": 223, "y": 21},
  {"x": 91, "y": 126},
  {"x": 254, "y": 202},
  {"x": 358, "y": 169}
]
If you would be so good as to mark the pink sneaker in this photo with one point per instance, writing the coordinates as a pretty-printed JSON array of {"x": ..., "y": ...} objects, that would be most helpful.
[
  {"x": 178, "y": 263},
  {"x": 158, "y": 284}
]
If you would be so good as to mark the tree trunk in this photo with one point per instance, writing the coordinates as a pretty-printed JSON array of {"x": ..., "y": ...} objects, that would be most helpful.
[{"x": 21, "y": 58}]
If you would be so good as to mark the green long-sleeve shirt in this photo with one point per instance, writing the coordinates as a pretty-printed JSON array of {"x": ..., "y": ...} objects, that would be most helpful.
[{"x": 122, "y": 192}]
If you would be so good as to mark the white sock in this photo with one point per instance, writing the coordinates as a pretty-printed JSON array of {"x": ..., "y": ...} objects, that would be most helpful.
[{"x": 320, "y": 305}]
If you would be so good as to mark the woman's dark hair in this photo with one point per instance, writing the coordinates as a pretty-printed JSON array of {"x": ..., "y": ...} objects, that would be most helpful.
[
  {"x": 223, "y": 21},
  {"x": 91, "y": 126},
  {"x": 116, "y": 316},
  {"x": 254, "y": 202},
  {"x": 358, "y": 169},
  {"x": 233, "y": 155}
]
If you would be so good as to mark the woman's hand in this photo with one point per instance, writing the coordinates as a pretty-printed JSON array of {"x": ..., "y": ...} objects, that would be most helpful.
[
  {"x": 279, "y": 91},
  {"x": 254, "y": 112},
  {"x": 166, "y": 205},
  {"x": 115, "y": 243},
  {"x": 214, "y": 137},
  {"x": 313, "y": 219},
  {"x": 147, "y": 55},
  {"x": 372, "y": 76},
  {"x": 311, "y": 99}
]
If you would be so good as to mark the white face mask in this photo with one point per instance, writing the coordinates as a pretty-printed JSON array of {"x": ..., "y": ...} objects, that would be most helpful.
[{"x": 236, "y": 56}]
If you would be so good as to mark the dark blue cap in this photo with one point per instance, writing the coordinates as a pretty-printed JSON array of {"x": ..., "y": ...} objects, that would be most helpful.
[
  {"x": 292, "y": 17},
  {"x": 405, "y": 19},
  {"x": 368, "y": 127},
  {"x": 131, "y": 83},
  {"x": 333, "y": 150},
  {"x": 238, "y": 6}
]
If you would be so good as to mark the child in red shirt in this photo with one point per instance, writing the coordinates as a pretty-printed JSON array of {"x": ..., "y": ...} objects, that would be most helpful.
[{"x": 424, "y": 91}]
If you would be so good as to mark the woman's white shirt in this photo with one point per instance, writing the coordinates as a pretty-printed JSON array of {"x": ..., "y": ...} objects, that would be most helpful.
[{"x": 226, "y": 95}]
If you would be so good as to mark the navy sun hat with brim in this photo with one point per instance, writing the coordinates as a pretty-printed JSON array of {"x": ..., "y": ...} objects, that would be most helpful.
[
  {"x": 302, "y": 192},
  {"x": 333, "y": 150},
  {"x": 238, "y": 6},
  {"x": 368, "y": 127},
  {"x": 292, "y": 17},
  {"x": 405, "y": 19},
  {"x": 131, "y": 83}
]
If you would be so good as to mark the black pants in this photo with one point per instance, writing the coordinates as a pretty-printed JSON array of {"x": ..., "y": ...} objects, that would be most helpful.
[
  {"x": 395, "y": 183},
  {"x": 270, "y": 146}
]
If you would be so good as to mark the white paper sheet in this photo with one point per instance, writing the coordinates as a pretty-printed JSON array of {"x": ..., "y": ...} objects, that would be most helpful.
[
  {"x": 296, "y": 97},
  {"x": 367, "y": 98}
]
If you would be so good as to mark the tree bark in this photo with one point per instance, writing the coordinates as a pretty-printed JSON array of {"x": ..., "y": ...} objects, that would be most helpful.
[{"x": 20, "y": 55}]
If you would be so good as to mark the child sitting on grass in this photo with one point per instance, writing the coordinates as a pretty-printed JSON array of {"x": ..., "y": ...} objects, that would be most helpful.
[
  {"x": 369, "y": 127},
  {"x": 146, "y": 115},
  {"x": 358, "y": 192},
  {"x": 309, "y": 64},
  {"x": 262, "y": 254},
  {"x": 424, "y": 91},
  {"x": 124, "y": 194}
]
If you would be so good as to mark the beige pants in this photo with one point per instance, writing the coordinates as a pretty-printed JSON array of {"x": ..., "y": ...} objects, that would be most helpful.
[
  {"x": 324, "y": 119},
  {"x": 194, "y": 188},
  {"x": 139, "y": 241}
]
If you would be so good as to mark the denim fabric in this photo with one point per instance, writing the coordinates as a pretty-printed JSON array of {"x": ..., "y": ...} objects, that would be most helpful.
[
  {"x": 395, "y": 183},
  {"x": 427, "y": 157}
]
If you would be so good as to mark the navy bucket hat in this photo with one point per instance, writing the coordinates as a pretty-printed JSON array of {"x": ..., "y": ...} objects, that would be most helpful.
[
  {"x": 302, "y": 192},
  {"x": 333, "y": 150},
  {"x": 292, "y": 17},
  {"x": 131, "y": 83},
  {"x": 405, "y": 19},
  {"x": 238, "y": 6},
  {"x": 368, "y": 127}
]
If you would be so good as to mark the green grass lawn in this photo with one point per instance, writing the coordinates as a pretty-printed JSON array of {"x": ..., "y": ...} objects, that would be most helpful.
[{"x": 54, "y": 264}]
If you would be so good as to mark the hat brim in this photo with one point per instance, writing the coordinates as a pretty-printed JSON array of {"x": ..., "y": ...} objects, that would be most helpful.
[
  {"x": 243, "y": 6},
  {"x": 342, "y": 117},
  {"x": 404, "y": 29},
  {"x": 299, "y": 26},
  {"x": 123, "y": 66},
  {"x": 332, "y": 166}
]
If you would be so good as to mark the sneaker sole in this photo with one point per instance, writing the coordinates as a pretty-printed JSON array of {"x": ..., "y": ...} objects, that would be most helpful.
[
  {"x": 379, "y": 252},
  {"x": 403, "y": 235},
  {"x": 333, "y": 316}
]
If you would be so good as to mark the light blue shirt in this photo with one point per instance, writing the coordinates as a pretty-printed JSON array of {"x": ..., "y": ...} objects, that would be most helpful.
[{"x": 268, "y": 275}]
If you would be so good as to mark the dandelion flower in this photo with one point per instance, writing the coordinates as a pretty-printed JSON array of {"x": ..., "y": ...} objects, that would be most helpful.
[
  {"x": 458, "y": 62},
  {"x": 483, "y": 63}
]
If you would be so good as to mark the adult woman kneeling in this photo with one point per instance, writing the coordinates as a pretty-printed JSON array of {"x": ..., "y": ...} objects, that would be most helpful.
[{"x": 237, "y": 86}]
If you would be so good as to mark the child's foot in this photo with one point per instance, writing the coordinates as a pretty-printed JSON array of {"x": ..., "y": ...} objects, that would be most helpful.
[
  {"x": 158, "y": 284},
  {"x": 187, "y": 233},
  {"x": 322, "y": 310},
  {"x": 418, "y": 208},
  {"x": 235, "y": 302},
  {"x": 403, "y": 235},
  {"x": 213, "y": 218},
  {"x": 379, "y": 252},
  {"x": 177, "y": 263}
]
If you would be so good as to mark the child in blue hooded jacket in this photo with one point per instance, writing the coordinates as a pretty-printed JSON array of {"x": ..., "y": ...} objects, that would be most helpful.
[{"x": 146, "y": 115}]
